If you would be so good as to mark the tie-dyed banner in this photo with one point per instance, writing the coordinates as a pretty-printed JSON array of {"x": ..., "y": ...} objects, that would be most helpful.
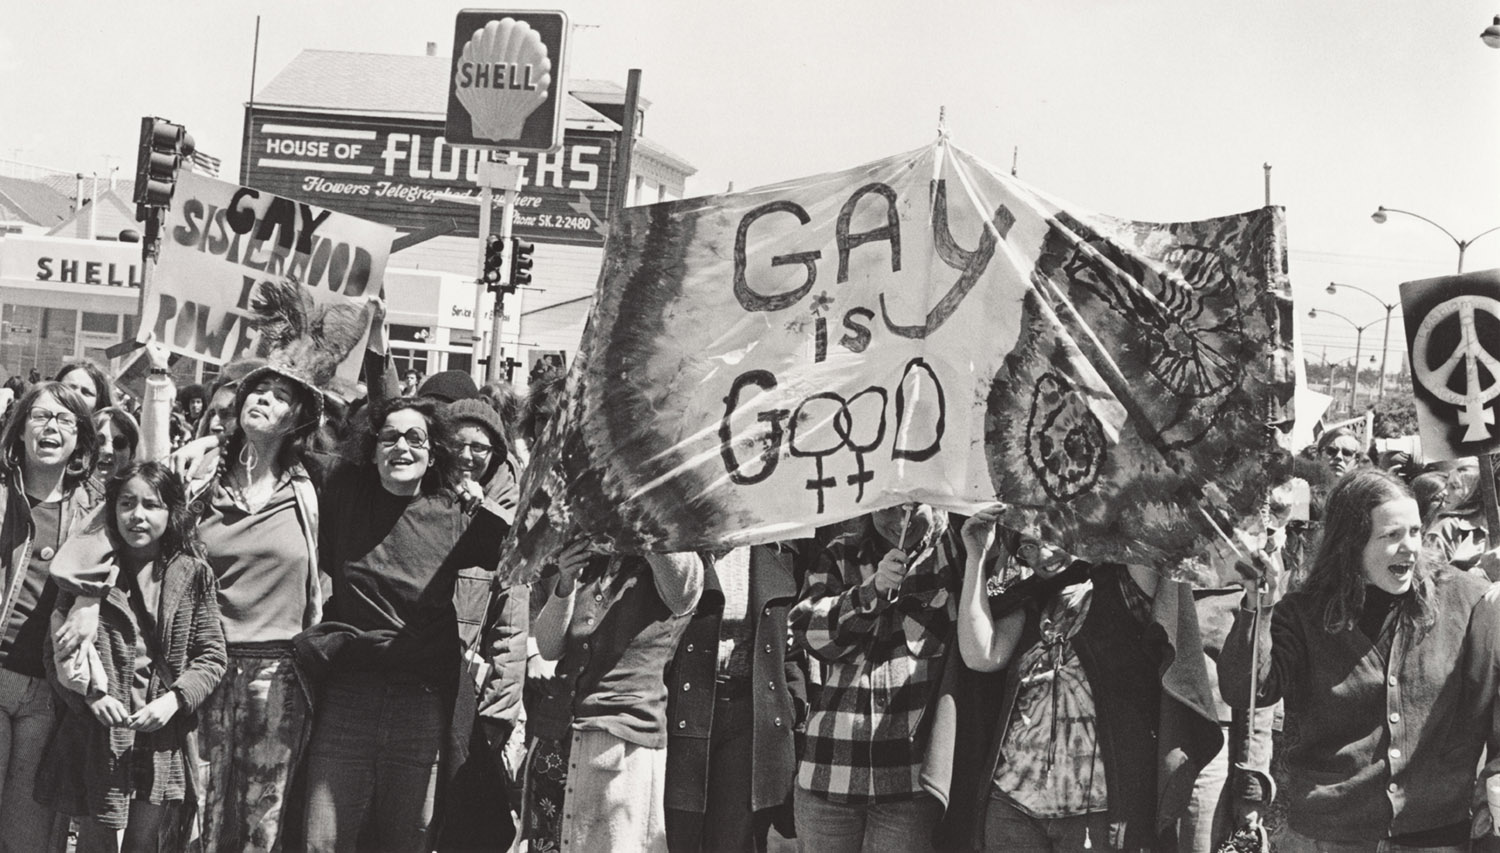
[{"x": 926, "y": 328}]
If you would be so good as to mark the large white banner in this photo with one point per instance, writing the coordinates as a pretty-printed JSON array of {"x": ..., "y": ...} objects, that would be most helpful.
[
  {"x": 925, "y": 328},
  {"x": 243, "y": 272}
]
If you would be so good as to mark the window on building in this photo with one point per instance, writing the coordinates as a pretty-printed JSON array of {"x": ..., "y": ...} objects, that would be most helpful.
[{"x": 107, "y": 324}]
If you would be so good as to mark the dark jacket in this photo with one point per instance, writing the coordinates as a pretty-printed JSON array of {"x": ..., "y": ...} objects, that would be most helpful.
[
  {"x": 1157, "y": 725},
  {"x": 1385, "y": 748},
  {"x": 778, "y": 692},
  {"x": 86, "y": 769},
  {"x": 16, "y": 530}
]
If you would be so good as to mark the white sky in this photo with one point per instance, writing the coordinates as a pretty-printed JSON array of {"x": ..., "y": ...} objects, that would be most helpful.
[{"x": 1150, "y": 109}]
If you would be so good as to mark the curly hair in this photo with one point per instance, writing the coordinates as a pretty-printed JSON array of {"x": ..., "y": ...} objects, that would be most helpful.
[
  {"x": 86, "y": 438},
  {"x": 1336, "y": 580},
  {"x": 181, "y": 535},
  {"x": 442, "y": 470}
]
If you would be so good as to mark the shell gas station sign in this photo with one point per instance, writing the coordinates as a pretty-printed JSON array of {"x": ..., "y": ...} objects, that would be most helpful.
[
  {"x": 69, "y": 265},
  {"x": 506, "y": 89}
]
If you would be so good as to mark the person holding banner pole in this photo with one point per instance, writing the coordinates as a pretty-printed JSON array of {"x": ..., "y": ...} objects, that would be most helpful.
[
  {"x": 1389, "y": 664},
  {"x": 1106, "y": 721},
  {"x": 878, "y": 613},
  {"x": 595, "y": 770}
]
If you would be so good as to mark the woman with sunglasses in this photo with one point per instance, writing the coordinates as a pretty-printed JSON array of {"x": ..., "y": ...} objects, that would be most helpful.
[
  {"x": 257, "y": 514},
  {"x": 119, "y": 440},
  {"x": 47, "y": 451},
  {"x": 1340, "y": 450},
  {"x": 388, "y": 661}
]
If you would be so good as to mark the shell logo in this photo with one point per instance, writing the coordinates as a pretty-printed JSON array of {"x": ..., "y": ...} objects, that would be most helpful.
[{"x": 503, "y": 77}]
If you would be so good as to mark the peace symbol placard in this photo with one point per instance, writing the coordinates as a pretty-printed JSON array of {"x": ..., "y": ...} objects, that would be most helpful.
[{"x": 1453, "y": 342}]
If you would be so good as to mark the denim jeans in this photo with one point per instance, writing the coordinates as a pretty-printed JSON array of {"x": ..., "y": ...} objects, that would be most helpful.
[
  {"x": 1205, "y": 823},
  {"x": 372, "y": 765},
  {"x": 27, "y": 716},
  {"x": 1007, "y": 828},
  {"x": 905, "y": 826}
]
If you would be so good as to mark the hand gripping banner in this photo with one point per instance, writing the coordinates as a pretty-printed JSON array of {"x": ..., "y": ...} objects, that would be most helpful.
[{"x": 926, "y": 328}]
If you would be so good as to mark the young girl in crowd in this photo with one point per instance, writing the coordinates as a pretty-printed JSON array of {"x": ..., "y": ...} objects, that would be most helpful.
[
  {"x": 256, "y": 509},
  {"x": 47, "y": 452},
  {"x": 125, "y": 757}
]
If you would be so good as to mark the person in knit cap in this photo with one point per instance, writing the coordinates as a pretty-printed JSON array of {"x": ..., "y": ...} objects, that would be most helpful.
[
  {"x": 492, "y": 621},
  {"x": 448, "y": 386}
]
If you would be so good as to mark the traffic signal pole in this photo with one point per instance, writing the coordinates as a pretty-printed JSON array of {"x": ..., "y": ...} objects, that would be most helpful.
[
  {"x": 492, "y": 176},
  {"x": 507, "y": 221},
  {"x": 485, "y": 197}
]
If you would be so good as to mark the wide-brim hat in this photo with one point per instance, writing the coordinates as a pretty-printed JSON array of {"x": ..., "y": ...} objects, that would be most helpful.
[{"x": 304, "y": 384}]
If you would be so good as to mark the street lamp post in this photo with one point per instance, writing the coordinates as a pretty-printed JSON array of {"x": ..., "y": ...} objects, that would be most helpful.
[
  {"x": 1463, "y": 245},
  {"x": 1491, "y": 37},
  {"x": 1385, "y": 339},
  {"x": 1359, "y": 334}
]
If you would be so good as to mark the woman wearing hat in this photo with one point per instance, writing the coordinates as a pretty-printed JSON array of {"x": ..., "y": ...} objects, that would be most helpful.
[{"x": 258, "y": 518}]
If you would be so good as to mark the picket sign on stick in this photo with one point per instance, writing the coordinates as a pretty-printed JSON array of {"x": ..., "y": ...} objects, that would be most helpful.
[{"x": 1449, "y": 321}]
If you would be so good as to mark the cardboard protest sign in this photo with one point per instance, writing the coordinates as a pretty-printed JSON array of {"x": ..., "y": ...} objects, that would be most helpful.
[
  {"x": 924, "y": 328},
  {"x": 1450, "y": 323},
  {"x": 244, "y": 273}
]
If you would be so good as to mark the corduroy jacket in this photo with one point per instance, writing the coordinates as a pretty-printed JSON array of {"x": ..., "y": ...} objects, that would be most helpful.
[{"x": 1386, "y": 747}]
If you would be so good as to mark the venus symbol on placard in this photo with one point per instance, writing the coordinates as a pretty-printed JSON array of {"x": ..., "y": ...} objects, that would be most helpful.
[{"x": 1470, "y": 353}]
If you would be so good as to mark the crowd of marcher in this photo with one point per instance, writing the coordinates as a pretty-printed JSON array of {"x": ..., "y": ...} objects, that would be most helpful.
[{"x": 290, "y": 634}]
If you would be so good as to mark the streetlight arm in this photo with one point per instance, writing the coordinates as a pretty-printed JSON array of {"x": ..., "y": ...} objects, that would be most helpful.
[
  {"x": 1357, "y": 327},
  {"x": 1383, "y": 304},
  {"x": 1457, "y": 242},
  {"x": 1470, "y": 241}
]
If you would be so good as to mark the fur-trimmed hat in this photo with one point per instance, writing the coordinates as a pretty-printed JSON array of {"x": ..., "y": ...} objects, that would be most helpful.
[{"x": 314, "y": 396}]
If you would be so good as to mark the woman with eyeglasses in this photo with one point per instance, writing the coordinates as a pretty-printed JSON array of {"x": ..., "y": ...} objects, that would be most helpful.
[
  {"x": 388, "y": 660},
  {"x": 257, "y": 511},
  {"x": 492, "y": 625},
  {"x": 47, "y": 451}
]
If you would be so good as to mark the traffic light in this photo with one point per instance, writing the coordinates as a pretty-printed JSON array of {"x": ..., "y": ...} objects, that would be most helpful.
[
  {"x": 163, "y": 147},
  {"x": 520, "y": 263},
  {"x": 494, "y": 259}
]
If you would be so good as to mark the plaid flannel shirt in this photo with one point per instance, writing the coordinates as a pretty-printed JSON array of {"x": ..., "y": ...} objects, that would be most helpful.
[{"x": 882, "y": 661}]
